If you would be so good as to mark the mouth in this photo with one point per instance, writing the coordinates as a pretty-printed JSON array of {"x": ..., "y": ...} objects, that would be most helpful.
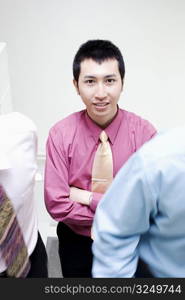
[{"x": 101, "y": 104}]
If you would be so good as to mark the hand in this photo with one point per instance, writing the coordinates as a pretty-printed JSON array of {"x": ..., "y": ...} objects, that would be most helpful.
[{"x": 80, "y": 196}]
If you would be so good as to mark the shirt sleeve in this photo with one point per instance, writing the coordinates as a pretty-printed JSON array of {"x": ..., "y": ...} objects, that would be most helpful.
[
  {"x": 96, "y": 197},
  {"x": 57, "y": 189},
  {"x": 121, "y": 217},
  {"x": 4, "y": 161}
]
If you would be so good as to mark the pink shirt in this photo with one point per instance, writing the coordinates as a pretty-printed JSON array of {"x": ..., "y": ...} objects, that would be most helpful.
[{"x": 71, "y": 148}]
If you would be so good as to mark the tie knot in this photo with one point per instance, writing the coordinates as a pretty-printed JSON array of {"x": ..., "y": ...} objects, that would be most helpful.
[{"x": 103, "y": 136}]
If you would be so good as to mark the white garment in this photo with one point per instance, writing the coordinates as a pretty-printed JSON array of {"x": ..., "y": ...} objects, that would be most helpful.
[{"x": 18, "y": 147}]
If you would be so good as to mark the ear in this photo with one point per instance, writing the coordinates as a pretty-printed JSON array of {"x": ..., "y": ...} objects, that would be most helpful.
[
  {"x": 76, "y": 86},
  {"x": 122, "y": 85}
]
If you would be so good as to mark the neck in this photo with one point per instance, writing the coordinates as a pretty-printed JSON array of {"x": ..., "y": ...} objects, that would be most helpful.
[{"x": 106, "y": 123}]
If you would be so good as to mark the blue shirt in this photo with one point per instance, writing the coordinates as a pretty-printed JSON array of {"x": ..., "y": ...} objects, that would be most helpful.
[{"x": 143, "y": 212}]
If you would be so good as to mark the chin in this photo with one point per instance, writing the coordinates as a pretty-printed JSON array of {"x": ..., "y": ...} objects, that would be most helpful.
[{"x": 101, "y": 113}]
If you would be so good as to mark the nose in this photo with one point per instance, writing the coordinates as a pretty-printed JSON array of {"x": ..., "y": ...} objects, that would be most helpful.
[{"x": 100, "y": 92}]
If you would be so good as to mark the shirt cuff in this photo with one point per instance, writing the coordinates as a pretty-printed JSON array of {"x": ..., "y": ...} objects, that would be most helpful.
[{"x": 95, "y": 200}]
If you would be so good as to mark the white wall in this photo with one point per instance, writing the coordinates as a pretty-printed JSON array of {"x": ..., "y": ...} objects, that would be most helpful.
[
  {"x": 42, "y": 37},
  {"x": 5, "y": 93}
]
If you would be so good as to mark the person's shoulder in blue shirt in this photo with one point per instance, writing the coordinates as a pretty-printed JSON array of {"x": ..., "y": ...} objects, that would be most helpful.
[{"x": 142, "y": 213}]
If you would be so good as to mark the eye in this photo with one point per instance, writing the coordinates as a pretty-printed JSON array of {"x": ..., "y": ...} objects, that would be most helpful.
[
  {"x": 110, "y": 81},
  {"x": 89, "y": 81}
]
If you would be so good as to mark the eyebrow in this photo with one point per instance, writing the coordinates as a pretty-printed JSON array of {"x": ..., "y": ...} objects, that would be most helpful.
[{"x": 92, "y": 77}]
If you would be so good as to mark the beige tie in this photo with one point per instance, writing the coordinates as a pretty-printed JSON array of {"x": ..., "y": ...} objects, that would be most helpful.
[{"x": 102, "y": 171}]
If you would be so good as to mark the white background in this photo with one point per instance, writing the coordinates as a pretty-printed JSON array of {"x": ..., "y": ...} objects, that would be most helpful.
[{"x": 43, "y": 36}]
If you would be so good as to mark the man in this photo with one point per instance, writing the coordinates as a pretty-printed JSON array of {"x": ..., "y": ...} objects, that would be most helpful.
[
  {"x": 18, "y": 146},
  {"x": 73, "y": 184},
  {"x": 143, "y": 213}
]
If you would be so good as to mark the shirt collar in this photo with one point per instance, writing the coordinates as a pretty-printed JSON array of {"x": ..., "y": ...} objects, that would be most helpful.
[{"x": 111, "y": 130}]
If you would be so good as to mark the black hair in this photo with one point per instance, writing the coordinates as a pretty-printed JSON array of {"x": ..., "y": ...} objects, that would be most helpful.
[{"x": 99, "y": 51}]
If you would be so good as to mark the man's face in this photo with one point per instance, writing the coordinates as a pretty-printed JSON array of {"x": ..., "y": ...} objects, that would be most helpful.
[{"x": 100, "y": 86}]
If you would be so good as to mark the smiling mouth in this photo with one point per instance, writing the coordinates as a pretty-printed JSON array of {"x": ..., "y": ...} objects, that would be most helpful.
[{"x": 101, "y": 104}]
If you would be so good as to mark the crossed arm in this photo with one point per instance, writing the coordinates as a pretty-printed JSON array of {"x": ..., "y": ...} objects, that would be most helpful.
[{"x": 64, "y": 202}]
